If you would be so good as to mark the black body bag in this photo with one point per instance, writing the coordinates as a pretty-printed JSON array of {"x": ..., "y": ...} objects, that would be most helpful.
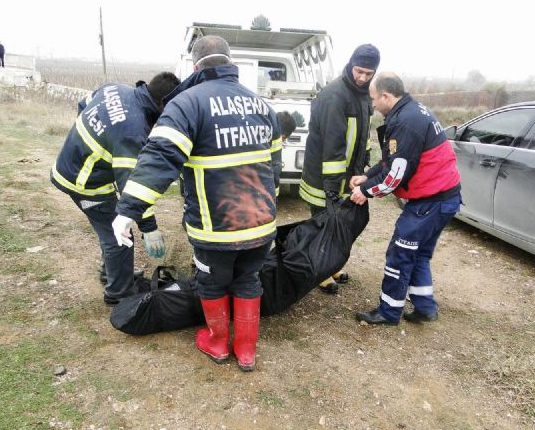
[
  {"x": 170, "y": 302},
  {"x": 308, "y": 252}
]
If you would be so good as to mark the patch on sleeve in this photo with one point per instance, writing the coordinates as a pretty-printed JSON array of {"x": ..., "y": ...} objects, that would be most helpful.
[{"x": 393, "y": 145}]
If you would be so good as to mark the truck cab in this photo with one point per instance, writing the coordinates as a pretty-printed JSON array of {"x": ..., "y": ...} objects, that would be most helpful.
[{"x": 286, "y": 67}]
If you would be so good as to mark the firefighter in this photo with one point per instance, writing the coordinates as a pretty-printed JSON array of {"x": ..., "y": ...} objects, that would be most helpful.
[
  {"x": 420, "y": 167},
  {"x": 99, "y": 153},
  {"x": 338, "y": 143},
  {"x": 222, "y": 137}
]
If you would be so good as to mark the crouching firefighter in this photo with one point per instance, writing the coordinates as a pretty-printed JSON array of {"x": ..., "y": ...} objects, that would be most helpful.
[
  {"x": 222, "y": 137},
  {"x": 99, "y": 153}
]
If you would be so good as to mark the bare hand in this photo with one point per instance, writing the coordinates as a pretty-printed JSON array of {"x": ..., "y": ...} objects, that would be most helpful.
[
  {"x": 357, "y": 196},
  {"x": 355, "y": 181}
]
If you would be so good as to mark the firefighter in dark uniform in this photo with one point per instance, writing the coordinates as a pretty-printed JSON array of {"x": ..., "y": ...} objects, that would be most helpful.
[
  {"x": 99, "y": 153},
  {"x": 223, "y": 138},
  {"x": 418, "y": 165},
  {"x": 338, "y": 145}
]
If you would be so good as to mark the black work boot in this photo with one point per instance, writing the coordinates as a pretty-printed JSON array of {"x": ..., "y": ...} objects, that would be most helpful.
[
  {"x": 374, "y": 317},
  {"x": 417, "y": 317},
  {"x": 341, "y": 277},
  {"x": 110, "y": 301},
  {"x": 138, "y": 273},
  {"x": 328, "y": 286}
]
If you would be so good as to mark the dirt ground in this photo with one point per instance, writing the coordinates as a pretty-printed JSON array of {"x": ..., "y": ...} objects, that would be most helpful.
[{"x": 317, "y": 366}]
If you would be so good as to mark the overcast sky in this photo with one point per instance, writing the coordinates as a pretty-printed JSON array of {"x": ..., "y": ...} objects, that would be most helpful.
[{"x": 415, "y": 37}]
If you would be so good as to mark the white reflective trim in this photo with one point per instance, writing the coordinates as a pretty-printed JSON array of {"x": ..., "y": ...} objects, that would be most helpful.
[
  {"x": 392, "y": 302},
  {"x": 390, "y": 269},
  {"x": 403, "y": 245},
  {"x": 421, "y": 291},
  {"x": 169, "y": 133},
  {"x": 387, "y": 273},
  {"x": 202, "y": 267}
]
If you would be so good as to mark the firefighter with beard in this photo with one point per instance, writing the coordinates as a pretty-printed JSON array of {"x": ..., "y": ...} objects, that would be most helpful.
[
  {"x": 226, "y": 142},
  {"x": 338, "y": 144}
]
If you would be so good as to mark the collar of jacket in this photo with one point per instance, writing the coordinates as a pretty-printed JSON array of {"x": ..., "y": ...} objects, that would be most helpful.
[
  {"x": 208, "y": 74},
  {"x": 398, "y": 106},
  {"x": 148, "y": 105},
  {"x": 350, "y": 81}
]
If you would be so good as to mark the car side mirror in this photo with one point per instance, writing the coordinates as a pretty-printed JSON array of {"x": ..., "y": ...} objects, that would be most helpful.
[{"x": 451, "y": 131}]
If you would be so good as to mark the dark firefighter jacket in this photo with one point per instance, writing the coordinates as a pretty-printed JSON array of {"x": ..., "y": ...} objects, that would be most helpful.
[
  {"x": 418, "y": 161},
  {"x": 221, "y": 136},
  {"x": 338, "y": 138},
  {"x": 102, "y": 147}
]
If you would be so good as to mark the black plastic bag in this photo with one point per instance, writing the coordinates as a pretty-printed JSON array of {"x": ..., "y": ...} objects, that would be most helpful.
[
  {"x": 171, "y": 304},
  {"x": 308, "y": 252}
]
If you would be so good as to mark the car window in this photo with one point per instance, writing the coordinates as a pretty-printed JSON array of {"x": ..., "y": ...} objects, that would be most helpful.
[
  {"x": 528, "y": 141},
  {"x": 499, "y": 129}
]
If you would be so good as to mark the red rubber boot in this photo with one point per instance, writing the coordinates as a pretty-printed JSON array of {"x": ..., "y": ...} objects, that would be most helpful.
[
  {"x": 213, "y": 341},
  {"x": 246, "y": 327}
]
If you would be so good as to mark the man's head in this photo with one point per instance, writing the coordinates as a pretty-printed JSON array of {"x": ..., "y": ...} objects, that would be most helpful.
[
  {"x": 161, "y": 85},
  {"x": 364, "y": 63},
  {"x": 385, "y": 91},
  {"x": 210, "y": 51},
  {"x": 287, "y": 124}
]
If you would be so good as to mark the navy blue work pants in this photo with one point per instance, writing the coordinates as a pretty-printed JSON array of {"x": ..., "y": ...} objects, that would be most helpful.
[
  {"x": 408, "y": 268},
  {"x": 119, "y": 260}
]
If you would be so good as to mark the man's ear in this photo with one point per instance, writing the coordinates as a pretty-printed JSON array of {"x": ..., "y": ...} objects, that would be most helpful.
[{"x": 195, "y": 68}]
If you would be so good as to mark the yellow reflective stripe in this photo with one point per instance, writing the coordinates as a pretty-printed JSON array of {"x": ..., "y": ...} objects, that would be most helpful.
[
  {"x": 203, "y": 201},
  {"x": 369, "y": 141},
  {"x": 86, "y": 170},
  {"x": 89, "y": 141},
  {"x": 126, "y": 162},
  {"x": 276, "y": 145},
  {"x": 332, "y": 167},
  {"x": 141, "y": 192},
  {"x": 232, "y": 236},
  {"x": 148, "y": 213},
  {"x": 175, "y": 136},
  {"x": 351, "y": 137},
  {"x": 88, "y": 98},
  {"x": 311, "y": 190},
  {"x": 277, "y": 190},
  {"x": 310, "y": 198},
  {"x": 229, "y": 160},
  {"x": 105, "y": 189}
]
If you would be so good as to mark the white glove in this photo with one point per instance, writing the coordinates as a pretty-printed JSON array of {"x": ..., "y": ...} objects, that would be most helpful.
[
  {"x": 154, "y": 243},
  {"x": 121, "y": 229}
]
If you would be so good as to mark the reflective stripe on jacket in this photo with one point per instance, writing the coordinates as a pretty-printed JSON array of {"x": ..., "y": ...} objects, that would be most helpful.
[
  {"x": 337, "y": 141},
  {"x": 102, "y": 147}
]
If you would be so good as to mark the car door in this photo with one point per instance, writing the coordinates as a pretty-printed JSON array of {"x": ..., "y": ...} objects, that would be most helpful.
[
  {"x": 481, "y": 148},
  {"x": 514, "y": 198}
]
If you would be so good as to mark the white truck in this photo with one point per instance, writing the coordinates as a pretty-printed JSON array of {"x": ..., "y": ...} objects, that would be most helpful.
[{"x": 286, "y": 67}]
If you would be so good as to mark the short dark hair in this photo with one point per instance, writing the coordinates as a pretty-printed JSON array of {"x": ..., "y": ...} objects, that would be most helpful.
[
  {"x": 162, "y": 84},
  {"x": 286, "y": 122},
  {"x": 210, "y": 45},
  {"x": 388, "y": 82}
]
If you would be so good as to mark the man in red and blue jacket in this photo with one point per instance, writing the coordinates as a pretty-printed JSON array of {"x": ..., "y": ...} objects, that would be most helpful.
[{"x": 418, "y": 165}]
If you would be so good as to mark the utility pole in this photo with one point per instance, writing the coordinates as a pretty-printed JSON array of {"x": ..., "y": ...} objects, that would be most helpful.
[{"x": 101, "y": 38}]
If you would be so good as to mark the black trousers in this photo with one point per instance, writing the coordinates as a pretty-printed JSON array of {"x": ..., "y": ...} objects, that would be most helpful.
[{"x": 229, "y": 272}]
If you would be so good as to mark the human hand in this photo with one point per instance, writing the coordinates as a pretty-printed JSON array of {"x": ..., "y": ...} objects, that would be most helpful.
[
  {"x": 355, "y": 181},
  {"x": 358, "y": 197},
  {"x": 154, "y": 243},
  {"x": 121, "y": 229}
]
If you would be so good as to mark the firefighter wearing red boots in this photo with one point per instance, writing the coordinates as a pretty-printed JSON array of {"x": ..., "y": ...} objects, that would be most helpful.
[{"x": 225, "y": 141}]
